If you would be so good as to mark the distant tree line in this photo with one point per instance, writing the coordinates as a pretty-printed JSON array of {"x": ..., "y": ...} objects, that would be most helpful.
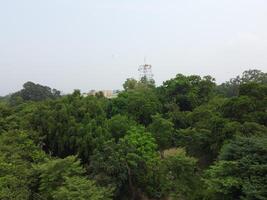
[{"x": 33, "y": 92}]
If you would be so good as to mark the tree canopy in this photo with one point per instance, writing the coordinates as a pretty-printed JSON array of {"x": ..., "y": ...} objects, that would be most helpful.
[{"x": 188, "y": 139}]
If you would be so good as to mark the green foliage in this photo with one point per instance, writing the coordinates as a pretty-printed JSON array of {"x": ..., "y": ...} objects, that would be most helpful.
[
  {"x": 71, "y": 125},
  {"x": 163, "y": 131},
  {"x": 241, "y": 170},
  {"x": 118, "y": 125},
  {"x": 253, "y": 75},
  {"x": 180, "y": 176},
  {"x": 231, "y": 88},
  {"x": 34, "y": 92},
  {"x": 53, "y": 173},
  {"x": 206, "y": 135},
  {"x": 140, "y": 143},
  {"x": 198, "y": 143},
  {"x": 144, "y": 83},
  {"x": 187, "y": 139},
  {"x": 80, "y": 188},
  {"x": 17, "y": 155},
  {"x": 130, "y": 84},
  {"x": 5, "y": 111},
  {"x": 124, "y": 164},
  {"x": 188, "y": 92},
  {"x": 139, "y": 105},
  {"x": 250, "y": 106},
  {"x": 175, "y": 176},
  {"x": 62, "y": 179}
]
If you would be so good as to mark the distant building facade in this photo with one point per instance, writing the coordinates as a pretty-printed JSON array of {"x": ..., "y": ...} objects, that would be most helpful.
[{"x": 106, "y": 93}]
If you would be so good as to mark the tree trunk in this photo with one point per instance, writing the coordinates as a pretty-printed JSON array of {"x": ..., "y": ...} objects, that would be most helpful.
[{"x": 131, "y": 187}]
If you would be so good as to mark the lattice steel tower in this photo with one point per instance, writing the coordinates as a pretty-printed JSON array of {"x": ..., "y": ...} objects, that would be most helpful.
[{"x": 145, "y": 71}]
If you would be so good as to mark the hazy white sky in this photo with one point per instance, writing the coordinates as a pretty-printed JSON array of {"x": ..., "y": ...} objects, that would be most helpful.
[{"x": 85, "y": 44}]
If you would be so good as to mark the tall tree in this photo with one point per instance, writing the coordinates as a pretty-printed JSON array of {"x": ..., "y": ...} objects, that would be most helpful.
[
  {"x": 240, "y": 172},
  {"x": 34, "y": 92},
  {"x": 187, "y": 91},
  {"x": 125, "y": 164},
  {"x": 163, "y": 131}
]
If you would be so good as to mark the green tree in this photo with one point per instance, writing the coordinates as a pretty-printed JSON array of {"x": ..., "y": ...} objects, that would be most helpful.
[
  {"x": 240, "y": 172},
  {"x": 80, "y": 188},
  {"x": 5, "y": 112},
  {"x": 139, "y": 105},
  {"x": 249, "y": 105},
  {"x": 181, "y": 179},
  {"x": 125, "y": 164},
  {"x": 118, "y": 125},
  {"x": 253, "y": 75},
  {"x": 18, "y": 154},
  {"x": 130, "y": 84},
  {"x": 62, "y": 179},
  {"x": 35, "y": 92},
  {"x": 231, "y": 88},
  {"x": 163, "y": 131},
  {"x": 146, "y": 82},
  {"x": 70, "y": 125},
  {"x": 187, "y": 91}
]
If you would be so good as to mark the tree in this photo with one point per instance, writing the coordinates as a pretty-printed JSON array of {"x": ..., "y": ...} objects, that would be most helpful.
[
  {"x": 178, "y": 118},
  {"x": 253, "y": 75},
  {"x": 198, "y": 143},
  {"x": 118, "y": 125},
  {"x": 62, "y": 179},
  {"x": 18, "y": 154},
  {"x": 253, "y": 90},
  {"x": 163, "y": 131},
  {"x": 249, "y": 106},
  {"x": 5, "y": 112},
  {"x": 139, "y": 105},
  {"x": 181, "y": 179},
  {"x": 240, "y": 172},
  {"x": 237, "y": 108},
  {"x": 130, "y": 84},
  {"x": 81, "y": 188},
  {"x": 180, "y": 140},
  {"x": 187, "y": 91},
  {"x": 231, "y": 88},
  {"x": 146, "y": 82},
  {"x": 70, "y": 125},
  {"x": 35, "y": 92},
  {"x": 125, "y": 164}
]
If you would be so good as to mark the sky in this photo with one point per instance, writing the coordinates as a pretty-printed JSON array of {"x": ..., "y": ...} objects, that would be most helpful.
[{"x": 97, "y": 44}]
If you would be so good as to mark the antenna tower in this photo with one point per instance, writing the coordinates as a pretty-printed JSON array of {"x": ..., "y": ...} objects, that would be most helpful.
[{"x": 145, "y": 71}]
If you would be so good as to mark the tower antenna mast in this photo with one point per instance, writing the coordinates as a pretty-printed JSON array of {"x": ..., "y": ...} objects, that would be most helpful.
[{"x": 145, "y": 71}]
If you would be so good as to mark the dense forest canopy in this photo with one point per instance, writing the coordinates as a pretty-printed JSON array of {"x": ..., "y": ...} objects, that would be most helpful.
[{"x": 187, "y": 139}]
